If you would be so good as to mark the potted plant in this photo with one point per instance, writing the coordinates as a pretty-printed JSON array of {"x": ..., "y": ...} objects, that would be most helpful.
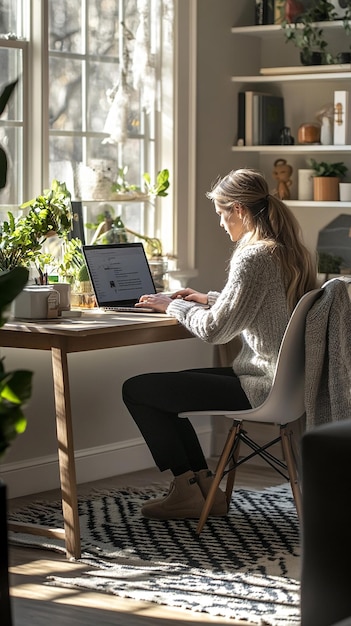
[
  {"x": 345, "y": 55},
  {"x": 326, "y": 179},
  {"x": 22, "y": 238},
  {"x": 307, "y": 34}
]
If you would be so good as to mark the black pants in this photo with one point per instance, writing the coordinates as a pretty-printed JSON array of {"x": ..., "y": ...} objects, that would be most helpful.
[{"x": 154, "y": 401}]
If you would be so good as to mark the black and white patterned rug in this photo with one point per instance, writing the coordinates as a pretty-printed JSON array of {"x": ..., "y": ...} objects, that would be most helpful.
[{"x": 245, "y": 566}]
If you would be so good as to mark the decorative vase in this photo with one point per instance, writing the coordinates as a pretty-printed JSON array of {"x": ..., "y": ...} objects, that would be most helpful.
[
  {"x": 305, "y": 184},
  {"x": 325, "y": 188}
]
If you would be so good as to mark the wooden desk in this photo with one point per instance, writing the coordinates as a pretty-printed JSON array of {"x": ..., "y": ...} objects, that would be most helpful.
[{"x": 92, "y": 331}]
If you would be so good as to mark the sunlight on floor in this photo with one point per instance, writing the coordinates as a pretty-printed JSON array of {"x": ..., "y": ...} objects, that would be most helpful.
[{"x": 73, "y": 597}]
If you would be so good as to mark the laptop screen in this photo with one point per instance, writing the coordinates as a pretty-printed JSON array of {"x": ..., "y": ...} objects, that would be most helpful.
[{"x": 119, "y": 273}]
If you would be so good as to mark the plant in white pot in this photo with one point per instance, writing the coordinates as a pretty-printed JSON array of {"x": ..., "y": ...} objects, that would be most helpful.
[{"x": 326, "y": 179}]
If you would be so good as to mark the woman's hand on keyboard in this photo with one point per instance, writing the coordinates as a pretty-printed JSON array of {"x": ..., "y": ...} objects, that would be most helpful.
[{"x": 158, "y": 302}]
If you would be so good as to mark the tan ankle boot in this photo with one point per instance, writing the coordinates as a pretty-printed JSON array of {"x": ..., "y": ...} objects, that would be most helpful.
[
  {"x": 184, "y": 500},
  {"x": 205, "y": 478}
]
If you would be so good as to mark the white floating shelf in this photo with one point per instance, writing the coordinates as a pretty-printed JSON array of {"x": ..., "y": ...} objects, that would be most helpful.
[
  {"x": 268, "y": 30},
  {"x": 291, "y": 149},
  {"x": 310, "y": 204},
  {"x": 280, "y": 78}
]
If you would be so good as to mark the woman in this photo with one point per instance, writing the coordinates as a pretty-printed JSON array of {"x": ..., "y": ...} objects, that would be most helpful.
[{"x": 269, "y": 271}]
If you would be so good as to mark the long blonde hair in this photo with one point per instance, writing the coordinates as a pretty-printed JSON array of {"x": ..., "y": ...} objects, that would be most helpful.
[{"x": 267, "y": 219}]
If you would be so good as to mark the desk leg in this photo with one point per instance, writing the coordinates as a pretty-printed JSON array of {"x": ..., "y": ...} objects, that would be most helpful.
[{"x": 66, "y": 452}]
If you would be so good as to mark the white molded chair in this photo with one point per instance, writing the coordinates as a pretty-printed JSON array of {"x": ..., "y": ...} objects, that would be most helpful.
[{"x": 284, "y": 405}]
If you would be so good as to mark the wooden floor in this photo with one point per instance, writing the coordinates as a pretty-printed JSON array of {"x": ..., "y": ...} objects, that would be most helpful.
[{"x": 35, "y": 604}]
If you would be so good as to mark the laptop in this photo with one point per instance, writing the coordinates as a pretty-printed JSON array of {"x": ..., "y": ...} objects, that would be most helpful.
[{"x": 119, "y": 274}]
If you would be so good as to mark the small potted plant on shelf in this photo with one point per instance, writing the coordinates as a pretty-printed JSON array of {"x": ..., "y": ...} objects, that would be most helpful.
[
  {"x": 308, "y": 36},
  {"x": 326, "y": 179}
]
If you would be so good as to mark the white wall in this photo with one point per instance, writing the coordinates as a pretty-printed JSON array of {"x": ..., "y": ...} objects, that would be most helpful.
[{"x": 215, "y": 111}]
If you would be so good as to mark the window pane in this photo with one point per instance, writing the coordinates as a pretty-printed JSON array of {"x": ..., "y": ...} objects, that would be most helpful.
[
  {"x": 103, "y": 27},
  {"x": 101, "y": 77},
  {"x": 11, "y": 140},
  {"x": 105, "y": 98},
  {"x": 65, "y": 94},
  {"x": 65, "y": 19},
  {"x": 11, "y": 63},
  {"x": 11, "y": 125},
  {"x": 10, "y": 17}
]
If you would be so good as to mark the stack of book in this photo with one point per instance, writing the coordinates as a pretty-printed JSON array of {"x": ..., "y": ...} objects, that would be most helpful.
[
  {"x": 260, "y": 118},
  {"x": 269, "y": 12}
]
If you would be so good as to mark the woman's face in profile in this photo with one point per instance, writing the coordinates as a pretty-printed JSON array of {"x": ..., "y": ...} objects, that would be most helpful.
[{"x": 231, "y": 221}]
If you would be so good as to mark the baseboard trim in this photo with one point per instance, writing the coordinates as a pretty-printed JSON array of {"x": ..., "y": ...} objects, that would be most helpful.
[{"x": 41, "y": 474}]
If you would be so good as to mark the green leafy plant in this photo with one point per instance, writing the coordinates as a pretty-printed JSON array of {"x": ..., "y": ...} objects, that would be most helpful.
[
  {"x": 110, "y": 229},
  {"x": 122, "y": 185},
  {"x": 21, "y": 238},
  {"x": 159, "y": 188},
  {"x": 308, "y": 35},
  {"x": 72, "y": 262},
  {"x": 322, "y": 168},
  {"x": 15, "y": 386},
  {"x": 156, "y": 188},
  {"x": 329, "y": 263}
]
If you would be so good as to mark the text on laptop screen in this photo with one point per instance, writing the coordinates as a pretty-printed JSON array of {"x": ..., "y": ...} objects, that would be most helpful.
[{"x": 119, "y": 273}]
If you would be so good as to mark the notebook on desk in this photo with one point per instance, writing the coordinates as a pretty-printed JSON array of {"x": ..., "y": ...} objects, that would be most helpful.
[{"x": 119, "y": 274}]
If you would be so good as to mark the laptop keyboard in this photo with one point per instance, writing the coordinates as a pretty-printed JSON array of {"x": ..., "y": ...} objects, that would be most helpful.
[{"x": 128, "y": 309}]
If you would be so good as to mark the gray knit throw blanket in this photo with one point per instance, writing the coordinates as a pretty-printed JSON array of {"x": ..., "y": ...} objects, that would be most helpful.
[{"x": 328, "y": 356}]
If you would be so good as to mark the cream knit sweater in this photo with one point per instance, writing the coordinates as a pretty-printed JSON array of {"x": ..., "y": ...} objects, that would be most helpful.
[{"x": 253, "y": 305}]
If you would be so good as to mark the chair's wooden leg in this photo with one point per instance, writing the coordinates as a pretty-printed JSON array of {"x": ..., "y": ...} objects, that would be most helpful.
[
  {"x": 287, "y": 439},
  {"x": 233, "y": 460},
  {"x": 217, "y": 477}
]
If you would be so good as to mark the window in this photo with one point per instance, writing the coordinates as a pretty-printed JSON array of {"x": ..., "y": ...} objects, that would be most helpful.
[{"x": 102, "y": 86}]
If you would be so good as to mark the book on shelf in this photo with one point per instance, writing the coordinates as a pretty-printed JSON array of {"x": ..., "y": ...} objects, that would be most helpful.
[
  {"x": 269, "y": 12},
  {"x": 245, "y": 117},
  {"x": 267, "y": 119},
  {"x": 260, "y": 118},
  {"x": 279, "y": 11}
]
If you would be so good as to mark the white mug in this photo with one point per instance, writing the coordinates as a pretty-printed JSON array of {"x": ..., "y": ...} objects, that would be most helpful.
[{"x": 64, "y": 290}]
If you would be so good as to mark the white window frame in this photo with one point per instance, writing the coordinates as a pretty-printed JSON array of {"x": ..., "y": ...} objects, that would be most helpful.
[{"x": 183, "y": 180}]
